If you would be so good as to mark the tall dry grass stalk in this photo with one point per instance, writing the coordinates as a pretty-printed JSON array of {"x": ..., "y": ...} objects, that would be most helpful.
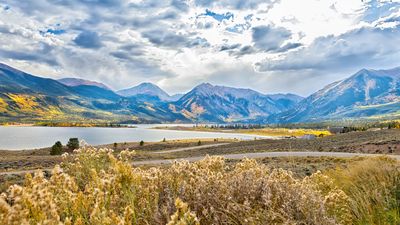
[
  {"x": 373, "y": 187},
  {"x": 93, "y": 186}
]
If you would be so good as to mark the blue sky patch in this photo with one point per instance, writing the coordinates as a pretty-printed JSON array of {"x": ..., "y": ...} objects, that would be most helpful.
[
  {"x": 217, "y": 16},
  {"x": 56, "y": 31},
  {"x": 53, "y": 31}
]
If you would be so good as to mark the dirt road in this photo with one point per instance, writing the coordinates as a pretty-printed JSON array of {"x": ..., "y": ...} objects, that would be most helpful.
[
  {"x": 235, "y": 156},
  {"x": 190, "y": 148}
]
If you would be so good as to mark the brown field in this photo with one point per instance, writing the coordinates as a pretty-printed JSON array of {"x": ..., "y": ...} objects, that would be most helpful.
[
  {"x": 41, "y": 158},
  {"x": 375, "y": 142}
]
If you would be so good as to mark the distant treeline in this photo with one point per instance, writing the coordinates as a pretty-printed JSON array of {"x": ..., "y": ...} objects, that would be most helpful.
[
  {"x": 381, "y": 125},
  {"x": 336, "y": 128},
  {"x": 233, "y": 126},
  {"x": 78, "y": 124}
]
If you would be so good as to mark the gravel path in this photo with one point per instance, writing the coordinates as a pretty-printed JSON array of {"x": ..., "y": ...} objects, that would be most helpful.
[
  {"x": 233, "y": 156},
  {"x": 190, "y": 148}
]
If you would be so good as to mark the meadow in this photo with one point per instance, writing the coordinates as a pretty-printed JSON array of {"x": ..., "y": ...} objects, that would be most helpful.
[{"x": 97, "y": 186}]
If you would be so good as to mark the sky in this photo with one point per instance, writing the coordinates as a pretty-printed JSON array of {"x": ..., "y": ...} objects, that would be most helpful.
[{"x": 272, "y": 46}]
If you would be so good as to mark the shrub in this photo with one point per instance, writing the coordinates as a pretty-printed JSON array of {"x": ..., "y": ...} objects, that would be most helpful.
[
  {"x": 73, "y": 144},
  {"x": 56, "y": 149},
  {"x": 141, "y": 143},
  {"x": 183, "y": 216},
  {"x": 95, "y": 187}
]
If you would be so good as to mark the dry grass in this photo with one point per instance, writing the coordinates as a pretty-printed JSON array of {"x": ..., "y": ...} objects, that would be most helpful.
[
  {"x": 374, "y": 189},
  {"x": 96, "y": 187}
]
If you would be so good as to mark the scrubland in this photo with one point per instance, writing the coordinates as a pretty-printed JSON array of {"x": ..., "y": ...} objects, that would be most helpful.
[{"x": 96, "y": 186}]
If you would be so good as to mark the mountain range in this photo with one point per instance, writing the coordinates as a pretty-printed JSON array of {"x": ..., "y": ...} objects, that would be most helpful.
[
  {"x": 368, "y": 94},
  {"x": 150, "y": 92},
  {"x": 73, "y": 82}
]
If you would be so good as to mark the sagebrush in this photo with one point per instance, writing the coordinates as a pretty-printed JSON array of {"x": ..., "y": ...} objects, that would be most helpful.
[{"x": 95, "y": 186}]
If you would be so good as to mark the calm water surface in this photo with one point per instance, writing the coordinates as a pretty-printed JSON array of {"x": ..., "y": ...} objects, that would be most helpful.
[{"x": 18, "y": 138}]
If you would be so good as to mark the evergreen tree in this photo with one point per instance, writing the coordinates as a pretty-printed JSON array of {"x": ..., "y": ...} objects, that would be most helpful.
[
  {"x": 73, "y": 144},
  {"x": 56, "y": 149}
]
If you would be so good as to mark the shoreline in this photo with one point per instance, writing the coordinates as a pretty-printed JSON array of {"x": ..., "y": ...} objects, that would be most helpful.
[{"x": 134, "y": 143}]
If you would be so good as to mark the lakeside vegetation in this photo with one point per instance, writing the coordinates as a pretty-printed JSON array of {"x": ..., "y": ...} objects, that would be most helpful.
[
  {"x": 252, "y": 129},
  {"x": 93, "y": 186},
  {"x": 68, "y": 124},
  {"x": 359, "y": 125},
  {"x": 81, "y": 124}
]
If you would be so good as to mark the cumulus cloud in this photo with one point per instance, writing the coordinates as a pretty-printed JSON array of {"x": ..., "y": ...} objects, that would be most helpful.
[
  {"x": 237, "y": 4},
  {"x": 88, "y": 39},
  {"x": 358, "y": 48},
  {"x": 261, "y": 44},
  {"x": 165, "y": 38},
  {"x": 269, "y": 38}
]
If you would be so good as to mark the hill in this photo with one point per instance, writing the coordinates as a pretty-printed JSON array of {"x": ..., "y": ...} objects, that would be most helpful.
[
  {"x": 366, "y": 94},
  {"x": 73, "y": 82},
  {"x": 27, "y": 98},
  {"x": 147, "y": 92},
  {"x": 207, "y": 102}
]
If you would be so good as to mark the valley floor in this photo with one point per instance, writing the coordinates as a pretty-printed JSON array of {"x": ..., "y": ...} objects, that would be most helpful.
[
  {"x": 367, "y": 142},
  {"x": 342, "y": 180}
]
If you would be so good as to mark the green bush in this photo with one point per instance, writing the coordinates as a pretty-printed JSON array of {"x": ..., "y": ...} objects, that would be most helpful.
[
  {"x": 73, "y": 144},
  {"x": 56, "y": 149}
]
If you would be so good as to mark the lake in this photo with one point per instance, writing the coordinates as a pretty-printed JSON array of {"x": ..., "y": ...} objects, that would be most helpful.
[{"x": 19, "y": 138}]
